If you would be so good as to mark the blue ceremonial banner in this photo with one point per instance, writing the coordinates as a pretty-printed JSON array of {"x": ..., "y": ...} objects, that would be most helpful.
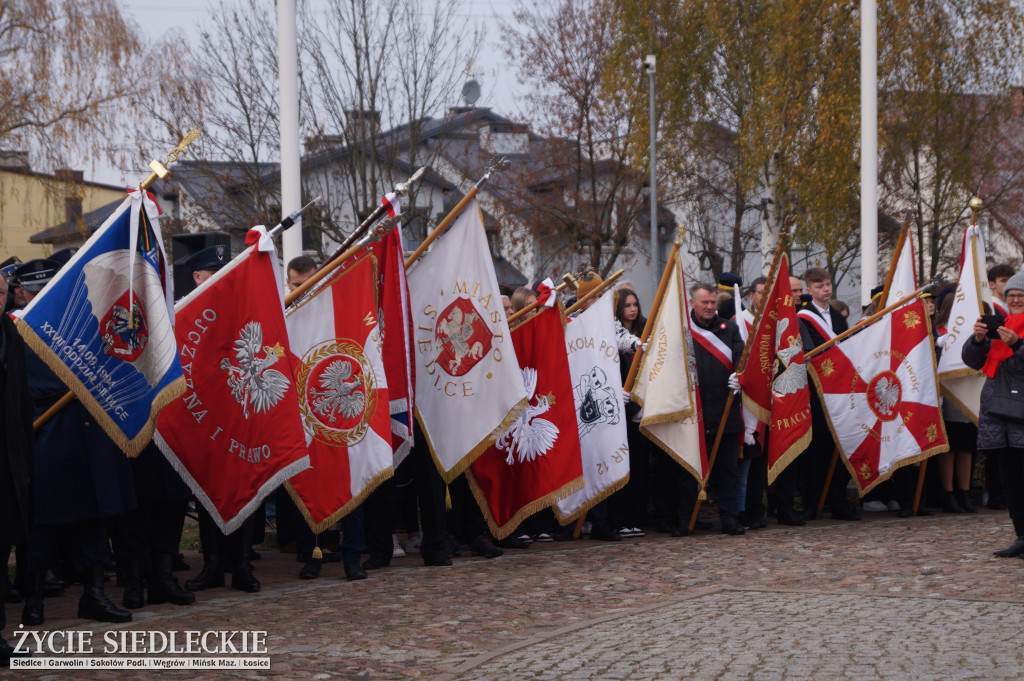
[{"x": 104, "y": 325}]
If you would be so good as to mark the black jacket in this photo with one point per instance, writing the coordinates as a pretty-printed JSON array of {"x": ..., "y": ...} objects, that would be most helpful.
[
  {"x": 17, "y": 449},
  {"x": 810, "y": 336},
  {"x": 713, "y": 376}
]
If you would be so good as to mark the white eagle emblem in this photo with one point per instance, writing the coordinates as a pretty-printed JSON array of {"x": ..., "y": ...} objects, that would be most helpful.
[
  {"x": 888, "y": 394},
  {"x": 793, "y": 377},
  {"x": 252, "y": 381},
  {"x": 529, "y": 435},
  {"x": 339, "y": 393}
]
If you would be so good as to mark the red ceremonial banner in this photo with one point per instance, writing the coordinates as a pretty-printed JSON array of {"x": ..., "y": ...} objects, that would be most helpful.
[
  {"x": 343, "y": 394},
  {"x": 774, "y": 379},
  {"x": 235, "y": 435},
  {"x": 536, "y": 460}
]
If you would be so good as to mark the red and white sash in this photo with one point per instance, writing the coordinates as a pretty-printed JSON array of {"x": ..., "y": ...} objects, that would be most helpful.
[
  {"x": 713, "y": 344},
  {"x": 817, "y": 322}
]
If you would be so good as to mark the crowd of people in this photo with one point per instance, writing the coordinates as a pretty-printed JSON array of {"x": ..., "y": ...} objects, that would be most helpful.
[{"x": 74, "y": 508}]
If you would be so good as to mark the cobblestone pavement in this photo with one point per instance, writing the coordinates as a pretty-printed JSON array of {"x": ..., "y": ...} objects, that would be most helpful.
[{"x": 880, "y": 599}]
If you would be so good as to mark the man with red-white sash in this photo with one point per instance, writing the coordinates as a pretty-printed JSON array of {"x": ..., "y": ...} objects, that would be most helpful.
[
  {"x": 819, "y": 323},
  {"x": 717, "y": 346}
]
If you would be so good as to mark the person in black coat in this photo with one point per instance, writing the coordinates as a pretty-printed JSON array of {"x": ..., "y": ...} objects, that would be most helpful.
[
  {"x": 717, "y": 346},
  {"x": 16, "y": 451},
  {"x": 814, "y": 331}
]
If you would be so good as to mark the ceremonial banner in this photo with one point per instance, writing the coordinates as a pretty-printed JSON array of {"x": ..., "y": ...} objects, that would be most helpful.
[
  {"x": 881, "y": 395},
  {"x": 396, "y": 326},
  {"x": 774, "y": 380},
  {"x": 600, "y": 417},
  {"x": 343, "y": 394},
  {"x": 235, "y": 435},
  {"x": 666, "y": 383},
  {"x": 467, "y": 378},
  {"x": 535, "y": 461},
  {"x": 904, "y": 278},
  {"x": 103, "y": 325},
  {"x": 960, "y": 383}
]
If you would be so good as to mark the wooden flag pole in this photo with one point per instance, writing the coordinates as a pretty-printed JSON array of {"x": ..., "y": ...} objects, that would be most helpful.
[
  {"x": 652, "y": 314},
  {"x": 904, "y": 231},
  {"x": 772, "y": 273},
  {"x": 567, "y": 281},
  {"x": 159, "y": 171},
  {"x": 493, "y": 168}
]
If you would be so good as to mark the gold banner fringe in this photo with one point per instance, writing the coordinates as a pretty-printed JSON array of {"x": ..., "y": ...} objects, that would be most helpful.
[
  {"x": 131, "y": 447},
  {"x": 590, "y": 503},
  {"x": 500, "y": 532},
  {"x": 318, "y": 527}
]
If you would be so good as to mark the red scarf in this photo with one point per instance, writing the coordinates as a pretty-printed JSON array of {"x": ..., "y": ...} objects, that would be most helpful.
[{"x": 1000, "y": 351}]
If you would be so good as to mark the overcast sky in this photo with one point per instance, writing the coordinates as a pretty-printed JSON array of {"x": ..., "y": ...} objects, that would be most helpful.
[{"x": 498, "y": 83}]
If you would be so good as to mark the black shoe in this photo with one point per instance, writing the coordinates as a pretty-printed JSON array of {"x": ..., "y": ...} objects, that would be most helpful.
[
  {"x": 53, "y": 586},
  {"x": 32, "y": 612},
  {"x": 845, "y": 514},
  {"x": 681, "y": 531},
  {"x": 564, "y": 534},
  {"x": 604, "y": 534},
  {"x": 7, "y": 652},
  {"x": 755, "y": 524},
  {"x": 513, "y": 543},
  {"x": 179, "y": 564},
  {"x": 702, "y": 525},
  {"x": 210, "y": 577},
  {"x": 791, "y": 517},
  {"x": 963, "y": 497},
  {"x": 94, "y": 604},
  {"x": 376, "y": 562},
  {"x": 311, "y": 570},
  {"x": 949, "y": 503},
  {"x": 996, "y": 505},
  {"x": 664, "y": 527},
  {"x": 354, "y": 572},
  {"x": 482, "y": 546},
  {"x": 437, "y": 562},
  {"x": 732, "y": 528},
  {"x": 1014, "y": 549},
  {"x": 905, "y": 512},
  {"x": 165, "y": 589},
  {"x": 134, "y": 597},
  {"x": 924, "y": 512}
]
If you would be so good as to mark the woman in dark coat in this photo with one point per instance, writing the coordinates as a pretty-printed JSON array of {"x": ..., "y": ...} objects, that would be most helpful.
[{"x": 997, "y": 436}]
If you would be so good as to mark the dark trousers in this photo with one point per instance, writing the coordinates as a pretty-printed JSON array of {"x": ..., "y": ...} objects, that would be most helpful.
[
  {"x": 88, "y": 543},
  {"x": 817, "y": 460},
  {"x": 664, "y": 488},
  {"x": 723, "y": 482},
  {"x": 465, "y": 520},
  {"x": 757, "y": 480},
  {"x": 1011, "y": 473},
  {"x": 150, "y": 530},
  {"x": 379, "y": 521},
  {"x": 629, "y": 503},
  {"x": 419, "y": 468}
]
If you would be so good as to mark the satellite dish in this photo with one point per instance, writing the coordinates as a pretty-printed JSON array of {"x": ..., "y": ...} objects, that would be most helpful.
[{"x": 471, "y": 91}]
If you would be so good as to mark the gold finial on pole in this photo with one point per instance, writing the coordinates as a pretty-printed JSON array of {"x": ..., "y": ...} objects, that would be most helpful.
[
  {"x": 680, "y": 235},
  {"x": 159, "y": 169},
  {"x": 976, "y": 205},
  {"x": 570, "y": 281}
]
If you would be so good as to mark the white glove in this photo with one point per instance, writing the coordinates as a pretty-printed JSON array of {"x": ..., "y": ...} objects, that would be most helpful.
[
  {"x": 626, "y": 397},
  {"x": 734, "y": 383},
  {"x": 748, "y": 437},
  {"x": 643, "y": 346}
]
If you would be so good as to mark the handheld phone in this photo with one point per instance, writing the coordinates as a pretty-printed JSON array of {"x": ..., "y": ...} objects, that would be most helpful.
[{"x": 993, "y": 322}]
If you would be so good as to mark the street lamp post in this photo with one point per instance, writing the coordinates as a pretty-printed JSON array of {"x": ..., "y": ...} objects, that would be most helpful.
[{"x": 649, "y": 66}]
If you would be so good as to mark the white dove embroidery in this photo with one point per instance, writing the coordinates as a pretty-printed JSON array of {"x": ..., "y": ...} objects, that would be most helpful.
[{"x": 529, "y": 435}]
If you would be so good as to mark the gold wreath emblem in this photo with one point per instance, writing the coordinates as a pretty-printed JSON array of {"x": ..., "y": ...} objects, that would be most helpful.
[{"x": 338, "y": 347}]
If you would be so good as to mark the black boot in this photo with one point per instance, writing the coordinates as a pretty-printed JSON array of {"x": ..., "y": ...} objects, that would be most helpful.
[
  {"x": 1014, "y": 549},
  {"x": 242, "y": 578},
  {"x": 32, "y": 613},
  {"x": 134, "y": 598},
  {"x": 7, "y": 652},
  {"x": 94, "y": 604},
  {"x": 163, "y": 585},
  {"x": 963, "y": 497},
  {"x": 949, "y": 503}
]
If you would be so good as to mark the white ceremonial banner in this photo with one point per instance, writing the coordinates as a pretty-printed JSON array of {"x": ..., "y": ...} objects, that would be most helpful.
[
  {"x": 666, "y": 383},
  {"x": 600, "y": 414},
  {"x": 468, "y": 382},
  {"x": 959, "y": 383}
]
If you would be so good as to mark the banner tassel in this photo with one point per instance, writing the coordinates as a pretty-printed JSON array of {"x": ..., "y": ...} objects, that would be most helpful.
[{"x": 317, "y": 553}]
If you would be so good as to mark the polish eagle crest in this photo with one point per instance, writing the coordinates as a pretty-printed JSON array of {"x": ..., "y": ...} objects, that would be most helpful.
[
  {"x": 252, "y": 381},
  {"x": 529, "y": 436}
]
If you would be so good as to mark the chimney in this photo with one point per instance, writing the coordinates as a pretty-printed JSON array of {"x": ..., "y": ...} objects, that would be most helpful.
[
  {"x": 361, "y": 123},
  {"x": 68, "y": 175},
  {"x": 14, "y": 160}
]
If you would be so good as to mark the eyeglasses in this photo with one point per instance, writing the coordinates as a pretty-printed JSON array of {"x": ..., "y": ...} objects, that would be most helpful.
[{"x": 1015, "y": 296}]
